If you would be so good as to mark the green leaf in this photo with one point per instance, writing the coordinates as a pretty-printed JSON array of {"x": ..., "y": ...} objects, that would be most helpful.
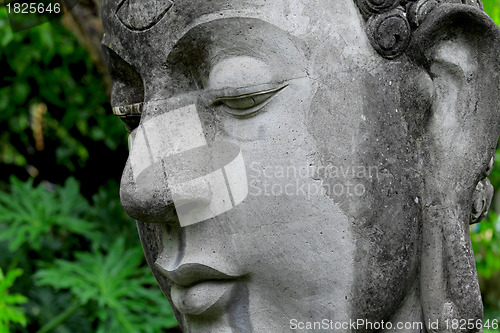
[
  {"x": 117, "y": 281},
  {"x": 10, "y": 312},
  {"x": 32, "y": 214}
]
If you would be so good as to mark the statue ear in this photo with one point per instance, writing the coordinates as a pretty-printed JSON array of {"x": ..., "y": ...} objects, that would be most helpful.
[{"x": 459, "y": 46}]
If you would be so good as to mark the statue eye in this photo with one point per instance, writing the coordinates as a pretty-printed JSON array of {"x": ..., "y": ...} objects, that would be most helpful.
[
  {"x": 247, "y": 104},
  {"x": 129, "y": 114}
]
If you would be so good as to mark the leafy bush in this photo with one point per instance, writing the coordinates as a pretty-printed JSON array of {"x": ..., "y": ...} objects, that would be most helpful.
[
  {"x": 492, "y": 7},
  {"x": 485, "y": 239},
  {"x": 44, "y": 216},
  {"x": 61, "y": 221},
  {"x": 10, "y": 312},
  {"x": 101, "y": 283},
  {"x": 55, "y": 119},
  {"x": 124, "y": 293}
]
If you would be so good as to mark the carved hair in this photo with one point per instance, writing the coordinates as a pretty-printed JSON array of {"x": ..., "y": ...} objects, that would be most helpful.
[{"x": 390, "y": 23}]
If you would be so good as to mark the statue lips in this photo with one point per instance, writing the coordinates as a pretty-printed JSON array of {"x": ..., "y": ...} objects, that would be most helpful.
[
  {"x": 199, "y": 289},
  {"x": 189, "y": 274}
]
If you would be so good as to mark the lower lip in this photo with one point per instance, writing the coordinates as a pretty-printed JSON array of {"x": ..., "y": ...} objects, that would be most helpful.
[{"x": 206, "y": 297}]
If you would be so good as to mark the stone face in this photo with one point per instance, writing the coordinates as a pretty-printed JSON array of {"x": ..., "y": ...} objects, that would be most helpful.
[{"x": 293, "y": 161}]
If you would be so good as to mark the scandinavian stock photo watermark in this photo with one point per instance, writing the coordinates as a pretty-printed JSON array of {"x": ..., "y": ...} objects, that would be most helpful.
[
  {"x": 204, "y": 180},
  {"x": 206, "y": 177},
  {"x": 331, "y": 180}
]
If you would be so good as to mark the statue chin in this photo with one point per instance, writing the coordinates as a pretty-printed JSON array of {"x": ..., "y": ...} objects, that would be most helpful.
[{"x": 307, "y": 165}]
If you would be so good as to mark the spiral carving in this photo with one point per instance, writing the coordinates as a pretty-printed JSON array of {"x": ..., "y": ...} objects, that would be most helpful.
[
  {"x": 418, "y": 11},
  {"x": 389, "y": 32},
  {"x": 370, "y": 7},
  {"x": 389, "y": 23}
]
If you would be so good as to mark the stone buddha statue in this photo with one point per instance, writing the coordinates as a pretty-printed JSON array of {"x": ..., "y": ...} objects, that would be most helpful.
[{"x": 308, "y": 165}]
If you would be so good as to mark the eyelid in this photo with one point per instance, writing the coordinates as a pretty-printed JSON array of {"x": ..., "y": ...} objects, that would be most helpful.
[
  {"x": 246, "y": 95},
  {"x": 244, "y": 102},
  {"x": 259, "y": 94},
  {"x": 235, "y": 92}
]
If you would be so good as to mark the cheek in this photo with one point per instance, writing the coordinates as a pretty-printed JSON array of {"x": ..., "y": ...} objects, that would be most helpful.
[
  {"x": 387, "y": 259},
  {"x": 297, "y": 246},
  {"x": 365, "y": 145},
  {"x": 387, "y": 218},
  {"x": 280, "y": 124}
]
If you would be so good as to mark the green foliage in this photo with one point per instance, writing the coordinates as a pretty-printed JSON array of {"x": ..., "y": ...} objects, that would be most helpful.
[
  {"x": 492, "y": 7},
  {"x": 491, "y": 321},
  {"x": 124, "y": 292},
  {"x": 98, "y": 280},
  {"x": 56, "y": 125},
  {"x": 10, "y": 312},
  {"x": 55, "y": 122},
  {"x": 53, "y": 107},
  {"x": 32, "y": 215},
  {"x": 485, "y": 240}
]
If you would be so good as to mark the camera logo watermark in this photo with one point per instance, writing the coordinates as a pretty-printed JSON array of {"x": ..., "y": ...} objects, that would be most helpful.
[{"x": 204, "y": 180}]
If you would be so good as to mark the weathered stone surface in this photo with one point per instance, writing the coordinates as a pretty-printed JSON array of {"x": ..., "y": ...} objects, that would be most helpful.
[{"x": 294, "y": 161}]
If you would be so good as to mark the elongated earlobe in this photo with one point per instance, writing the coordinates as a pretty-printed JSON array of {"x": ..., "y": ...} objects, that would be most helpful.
[{"x": 459, "y": 47}]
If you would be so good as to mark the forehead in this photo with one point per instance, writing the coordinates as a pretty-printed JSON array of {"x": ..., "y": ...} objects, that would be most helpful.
[{"x": 134, "y": 25}]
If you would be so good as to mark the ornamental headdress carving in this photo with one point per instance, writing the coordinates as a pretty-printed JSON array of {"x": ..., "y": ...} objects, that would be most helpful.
[{"x": 390, "y": 23}]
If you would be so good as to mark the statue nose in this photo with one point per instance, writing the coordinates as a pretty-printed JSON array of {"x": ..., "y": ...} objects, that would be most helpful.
[
  {"x": 174, "y": 175},
  {"x": 147, "y": 198},
  {"x": 159, "y": 177},
  {"x": 152, "y": 198}
]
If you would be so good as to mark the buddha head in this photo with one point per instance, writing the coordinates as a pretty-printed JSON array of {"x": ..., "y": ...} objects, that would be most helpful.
[{"x": 300, "y": 162}]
